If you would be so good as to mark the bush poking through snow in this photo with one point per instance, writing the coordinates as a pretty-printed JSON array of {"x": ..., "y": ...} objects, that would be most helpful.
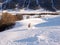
[
  {"x": 7, "y": 20},
  {"x": 19, "y": 17}
]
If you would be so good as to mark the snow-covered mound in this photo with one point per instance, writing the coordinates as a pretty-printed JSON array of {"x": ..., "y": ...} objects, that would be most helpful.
[
  {"x": 38, "y": 36},
  {"x": 33, "y": 21},
  {"x": 25, "y": 22}
]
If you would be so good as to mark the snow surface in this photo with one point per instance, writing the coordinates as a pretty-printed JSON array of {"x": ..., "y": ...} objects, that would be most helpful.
[{"x": 46, "y": 32}]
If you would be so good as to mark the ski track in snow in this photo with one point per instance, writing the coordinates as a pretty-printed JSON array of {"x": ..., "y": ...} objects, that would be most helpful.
[{"x": 43, "y": 35}]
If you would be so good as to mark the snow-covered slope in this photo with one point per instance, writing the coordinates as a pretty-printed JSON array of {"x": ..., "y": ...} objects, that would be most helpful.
[
  {"x": 43, "y": 34},
  {"x": 32, "y": 21},
  {"x": 51, "y": 21}
]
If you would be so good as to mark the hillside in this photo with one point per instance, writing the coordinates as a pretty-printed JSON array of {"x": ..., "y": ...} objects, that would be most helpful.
[
  {"x": 51, "y": 5},
  {"x": 42, "y": 35}
]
